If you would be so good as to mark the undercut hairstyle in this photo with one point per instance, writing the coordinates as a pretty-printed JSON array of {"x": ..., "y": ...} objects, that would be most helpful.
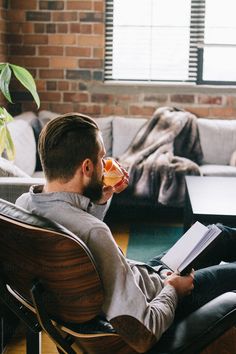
[{"x": 65, "y": 142}]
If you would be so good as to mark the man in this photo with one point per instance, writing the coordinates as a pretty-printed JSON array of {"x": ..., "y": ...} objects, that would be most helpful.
[{"x": 144, "y": 298}]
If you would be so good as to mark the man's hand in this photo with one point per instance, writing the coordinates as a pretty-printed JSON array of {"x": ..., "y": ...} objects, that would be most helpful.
[{"x": 182, "y": 284}]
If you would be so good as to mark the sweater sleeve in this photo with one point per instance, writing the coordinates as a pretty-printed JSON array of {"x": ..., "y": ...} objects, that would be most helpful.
[{"x": 127, "y": 303}]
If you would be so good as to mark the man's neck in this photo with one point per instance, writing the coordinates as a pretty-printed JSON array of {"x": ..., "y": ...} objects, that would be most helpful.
[{"x": 60, "y": 186}]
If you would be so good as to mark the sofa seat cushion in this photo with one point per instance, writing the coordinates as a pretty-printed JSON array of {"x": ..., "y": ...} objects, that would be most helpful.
[
  {"x": 124, "y": 131},
  {"x": 218, "y": 140},
  {"x": 9, "y": 169},
  {"x": 24, "y": 141},
  {"x": 218, "y": 170},
  {"x": 105, "y": 125}
]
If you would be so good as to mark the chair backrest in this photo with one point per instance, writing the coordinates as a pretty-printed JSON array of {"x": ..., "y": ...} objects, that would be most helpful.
[{"x": 33, "y": 247}]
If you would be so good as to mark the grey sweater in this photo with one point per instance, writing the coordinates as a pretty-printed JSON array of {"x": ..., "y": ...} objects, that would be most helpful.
[{"x": 134, "y": 294}]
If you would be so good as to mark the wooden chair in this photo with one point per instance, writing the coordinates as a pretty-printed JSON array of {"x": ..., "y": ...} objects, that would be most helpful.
[{"x": 48, "y": 278}]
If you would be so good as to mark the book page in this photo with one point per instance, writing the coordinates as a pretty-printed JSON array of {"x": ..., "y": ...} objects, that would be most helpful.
[
  {"x": 181, "y": 249},
  {"x": 211, "y": 234}
]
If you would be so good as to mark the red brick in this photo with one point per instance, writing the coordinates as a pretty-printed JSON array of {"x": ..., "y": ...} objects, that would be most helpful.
[
  {"x": 198, "y": 111},
  {"x": 85, "y": 28},
  {"x": 64, "y": 16},
  {"x": 99, "y": 6},
  {"x": 40, "y": 84},
  {"x": 63, "y": 85},
  {"x": 135, "y": 110},
  {"x": 38, "y": 16},
  {"x": 108, "y": 110},
  {"x": 98, "y": 28},
  {"x": 102, "y": 98},
  {"x": 52, "y": 50},
  {"x": 27, "y": 27},
  {"x": 91, "y": 17},
  {"x": 50, "y": 96},
  {"x": 14, "y": 27},
  {"x": 182, "y": 98},
  {"x": 78, "y": 52},
  {"x": 51, "y": 74},
  {"x": 74, "y": 27},
  {"x": 24, "y": 4},
  {"x": 51, "y": 28},
  {"x": 51, "y": 5},
  {"x": 90, "y": 63},
  {"x": 51, "y": 85},
  {"x": 62, "y": 107},
  {"x": 35, "y": 39},
  {"x": 221, "y": 112},
  {"x": 63, "y": 62},
  {"x": 21, "y": 50},
  {"x": 90, "y": 41},
  {"x": 39, "y": 27},
  {"x": 62, "y": 39},
  {"x": 205, "y": 99},
  {"x": 75, "y": 97},
  {"x": 62, "y": 28},
  {"x": 14, "y": 38},
  {"x": 98, "y": 53},
  {"x": 37, "y": 62},
  {"x": 79, "y": 5},
  {"x": 92, "y": 110}
]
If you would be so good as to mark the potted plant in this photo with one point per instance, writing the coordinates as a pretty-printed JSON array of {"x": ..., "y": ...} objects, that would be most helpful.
[{"x": 26, "y": 79}]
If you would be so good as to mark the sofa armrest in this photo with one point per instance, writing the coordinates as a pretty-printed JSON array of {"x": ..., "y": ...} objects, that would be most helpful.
[
  {"x": 12, "y": 187},
  {"x": 200, "y": 328}
]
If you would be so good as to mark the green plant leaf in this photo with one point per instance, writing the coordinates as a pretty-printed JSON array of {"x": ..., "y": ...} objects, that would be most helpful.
[
  {"x": 27, "y": 81},
  {"x": 2, "y": 139},
  {"x": 9, "y": 145},
  {"x": 5, "y": 77}
]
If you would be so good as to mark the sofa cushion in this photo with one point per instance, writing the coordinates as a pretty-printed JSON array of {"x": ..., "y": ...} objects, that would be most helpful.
[
  {"x": 25, "y": 146},
  {"x": 124, "y": 131},
  {"x": 218, "y": 140},
  {"x": 218, "y": 170},
  {"x": 9, "y": 169},
  {"x": 26, "y": 116},
  {"x": 105, "y": 125},
  {"x": 45, "y": 116}
]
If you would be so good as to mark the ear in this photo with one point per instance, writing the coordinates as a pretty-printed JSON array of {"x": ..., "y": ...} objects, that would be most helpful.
[{"x": 87, "y": 168}]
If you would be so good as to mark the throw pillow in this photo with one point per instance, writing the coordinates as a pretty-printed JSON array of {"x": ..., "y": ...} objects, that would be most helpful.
[
  {"x": 8, "y": 169},
  {"x": 46, "y": 116},
  {"x": 25, "y": 146}
]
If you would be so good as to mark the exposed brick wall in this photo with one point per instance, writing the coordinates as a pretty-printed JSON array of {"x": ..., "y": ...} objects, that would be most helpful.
[
  {"x": 3, "y": 48},
  {"x": 62, "y": 44}
]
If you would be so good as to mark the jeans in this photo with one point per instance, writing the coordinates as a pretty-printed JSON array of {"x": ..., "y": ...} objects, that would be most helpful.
[{"x": 211, "y": 279}]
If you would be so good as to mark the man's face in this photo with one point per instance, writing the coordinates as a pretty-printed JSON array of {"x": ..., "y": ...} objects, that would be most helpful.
[{"x": 94, "y": 189}]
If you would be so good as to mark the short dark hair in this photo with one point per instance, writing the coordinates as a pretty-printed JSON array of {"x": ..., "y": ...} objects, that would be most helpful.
[{"x": 65, "y": 142}]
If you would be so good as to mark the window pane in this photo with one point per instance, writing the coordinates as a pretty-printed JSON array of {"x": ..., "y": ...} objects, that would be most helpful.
[
  {"x": 131, "y": 50},
  {"x": 150, "y": 42},
  {"x": 169, "y": 62},
  {"x": 222, "y": 69}
]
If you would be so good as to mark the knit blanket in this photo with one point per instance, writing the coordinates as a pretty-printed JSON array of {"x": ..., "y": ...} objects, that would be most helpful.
[{"x": 164, "y": 150}]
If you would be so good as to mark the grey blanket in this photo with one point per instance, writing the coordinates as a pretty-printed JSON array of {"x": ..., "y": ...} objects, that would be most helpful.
[{"x": 164, "y": 150}]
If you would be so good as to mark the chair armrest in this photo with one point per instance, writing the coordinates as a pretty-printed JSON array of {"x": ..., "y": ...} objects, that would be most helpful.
[
  {"x": 200, "y": 328},
  {"x": 12, "y": 187}
]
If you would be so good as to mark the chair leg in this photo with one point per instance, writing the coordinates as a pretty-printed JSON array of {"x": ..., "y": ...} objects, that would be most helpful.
[{"x": 33, "y": 342}]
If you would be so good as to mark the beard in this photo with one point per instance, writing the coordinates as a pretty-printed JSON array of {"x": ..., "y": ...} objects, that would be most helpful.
[{"x": 94, "y": 189}]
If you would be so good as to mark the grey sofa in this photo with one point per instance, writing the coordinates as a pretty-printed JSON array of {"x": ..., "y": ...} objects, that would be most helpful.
[{"x": 217, "y": 137}]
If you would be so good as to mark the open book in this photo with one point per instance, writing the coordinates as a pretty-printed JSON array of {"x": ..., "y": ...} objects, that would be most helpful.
[{"x": 180, "y": 256}]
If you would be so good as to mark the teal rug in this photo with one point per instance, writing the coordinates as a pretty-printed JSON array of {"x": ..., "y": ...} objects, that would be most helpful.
[{"x": 147, "y": 241}]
